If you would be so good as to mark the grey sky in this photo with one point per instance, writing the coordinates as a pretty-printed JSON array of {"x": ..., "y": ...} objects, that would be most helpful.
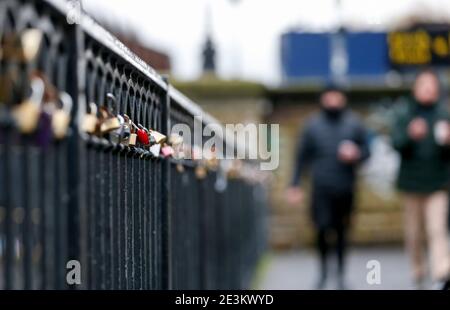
[{"x": 246, "y": 32}]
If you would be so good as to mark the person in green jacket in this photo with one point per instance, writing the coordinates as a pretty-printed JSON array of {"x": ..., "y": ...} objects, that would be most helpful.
[{"x": 421, "y": 135}]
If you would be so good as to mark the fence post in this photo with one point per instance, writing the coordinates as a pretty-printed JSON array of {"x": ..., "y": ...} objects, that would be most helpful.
[{"x": 166, "y": 205}]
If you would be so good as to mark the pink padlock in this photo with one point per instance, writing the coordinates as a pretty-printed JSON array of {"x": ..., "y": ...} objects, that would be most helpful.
[{"x": 167, "y": 151}]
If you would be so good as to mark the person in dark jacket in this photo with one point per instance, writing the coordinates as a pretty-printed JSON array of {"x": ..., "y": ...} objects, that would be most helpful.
[
  {"x": 421, "y": 135},
  {"x": 333, "y": 143}
]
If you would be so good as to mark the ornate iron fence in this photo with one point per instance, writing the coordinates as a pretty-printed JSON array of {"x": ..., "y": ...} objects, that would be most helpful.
[{"x": 132, "y": 219}]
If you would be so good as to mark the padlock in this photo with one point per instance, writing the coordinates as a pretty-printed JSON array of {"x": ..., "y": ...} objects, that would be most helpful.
[
  {"x": 151, "y": 138},
  {"x": 22, "y": 47},
  {"x": 125, "y": 133},
  {"x": 61, "y": 116},
  {"x": 157, "y": 136},
  {"x": 133, "y": 139},
  {"x": 180, "y": 168},
  {"x": 90, "y": 120},
  {"x": 142, "y": 135},
  {"x": 118, "y": 134},
  {"x": 155, "y": 149},
  {"x": 212, "y": 163},
  {"x": 167, "y": 151},
  {"x": 133, "y": 136},
  {"x": 26, "y": 114},
  {"x": 200, "y": 172},
  {"x": 108, "y": 122},
  {"x": 31, "y": 40},
  {"x": 211, "y": 160},
  {"x": 175, "y": 139}
]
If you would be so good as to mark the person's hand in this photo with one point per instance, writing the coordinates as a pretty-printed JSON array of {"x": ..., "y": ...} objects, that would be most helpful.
[
  {"x": 442, "y": 132},
  {"x": 417, "y": 129},
  {"x": 294, "y": 195},
  {"x": 349, "y": 152}
]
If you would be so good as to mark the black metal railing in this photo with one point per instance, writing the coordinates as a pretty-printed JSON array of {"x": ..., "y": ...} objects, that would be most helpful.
[{"x": 133, "y": 220}]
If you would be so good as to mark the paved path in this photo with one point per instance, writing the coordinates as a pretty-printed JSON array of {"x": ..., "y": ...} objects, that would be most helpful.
[{"x": 298, "y": 270}]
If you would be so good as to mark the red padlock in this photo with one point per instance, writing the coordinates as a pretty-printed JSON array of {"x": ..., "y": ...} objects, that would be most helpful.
[{"x": 142, "y": 135}]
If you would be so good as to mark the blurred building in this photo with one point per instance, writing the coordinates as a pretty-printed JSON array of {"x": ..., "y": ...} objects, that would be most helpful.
[{"x": 376, "y": 68}]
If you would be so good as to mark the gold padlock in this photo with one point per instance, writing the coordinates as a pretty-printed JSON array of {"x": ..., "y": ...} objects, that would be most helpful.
[
  {"x": 23, "y": 47},
  {"x": 159, "y": 137},
  {"x": 109, "y": 122},
  {"x": 31, "y": 42},
  {"x": 90, "y": 120},
  {"x": 26, "y": 114},
  {"x": 200, "y": 172},
  {"x": 61, "y": 117},
  {"x": 132, "y": 140},
  {"x": 175, "y": 139},
  {"x": 180, "y": 168}
]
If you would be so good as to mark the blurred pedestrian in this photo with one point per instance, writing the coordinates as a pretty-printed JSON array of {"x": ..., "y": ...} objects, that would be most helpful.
[
  {"x": 333, "y": 143},
  {"x": 421, "y": 134}
]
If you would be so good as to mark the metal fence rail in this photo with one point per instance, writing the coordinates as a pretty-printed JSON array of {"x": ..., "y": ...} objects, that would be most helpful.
[{"x": 133, "y": 220}]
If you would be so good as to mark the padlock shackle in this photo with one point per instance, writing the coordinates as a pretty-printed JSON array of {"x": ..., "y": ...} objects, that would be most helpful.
[
  {"x": 66, "y": 101},
  {"x": 93, "y": 108},
  {"x": 110, "y": 97}
]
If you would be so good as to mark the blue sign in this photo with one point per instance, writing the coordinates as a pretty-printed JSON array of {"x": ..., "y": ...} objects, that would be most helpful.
[
  {"x": 305, "y": 55},
  {"x": 308, "y": 55},
  {"x": 367, "y": 53}
]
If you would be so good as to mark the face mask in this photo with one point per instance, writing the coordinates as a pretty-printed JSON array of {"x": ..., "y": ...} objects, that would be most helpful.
[{"x": 333, "y": 112}]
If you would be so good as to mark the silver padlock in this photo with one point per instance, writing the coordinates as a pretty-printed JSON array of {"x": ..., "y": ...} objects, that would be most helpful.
[
  {"x": 118, "y": 134},
  {"x": 61, "y": 116}
]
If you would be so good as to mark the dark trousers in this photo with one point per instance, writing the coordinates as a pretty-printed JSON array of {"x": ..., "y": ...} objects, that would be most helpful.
[{"x": 331, "y": 213}]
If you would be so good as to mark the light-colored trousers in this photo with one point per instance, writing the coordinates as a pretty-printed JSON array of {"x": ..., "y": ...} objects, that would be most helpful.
[{"x": 427, "y": 213}]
